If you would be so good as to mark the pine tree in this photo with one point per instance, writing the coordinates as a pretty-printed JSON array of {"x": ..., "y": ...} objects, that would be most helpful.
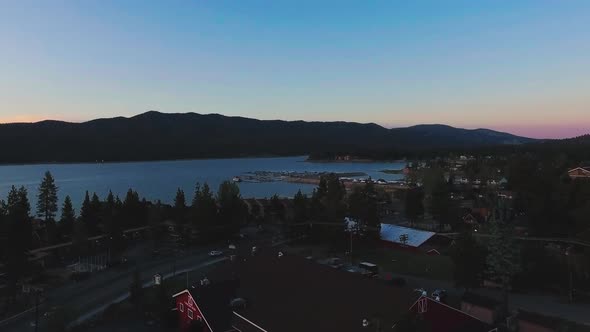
[
  {"x": 68, "y": 217},
  {"x": 276, "y": 207},
  {"x": 300, "y": 207},
  {"x": 132, "y": 210},
  {"x": 413, "y": 203},
  {"x": 180, "y": 206},
  {"x": 47, "y": 198},
  {"x": 20, "y": 231},
  {"x": 503, "y": 258},
  {"x": 109, "y": 206},
  {"x": 204, "y": 207},
  {"x": 469, "y": 261},
  {"x": 232, "y": 210},
  {"x": 85, "y": 211}
]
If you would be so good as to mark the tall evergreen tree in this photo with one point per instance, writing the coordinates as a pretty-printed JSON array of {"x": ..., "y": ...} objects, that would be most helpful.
[
  {"x": 232, "y": 210},
  {"x": 469, "y": 261},
  {"x": 300, "y": 207},
  {"x": 86, "y": 210},
  {"x": 437, "y": 196},
  {"x": 362, "y": 205},
  {"x": 503, "y": 259},
  {"x": 133, "y": 211},
  {"x": 68, "y": 217},
  {"x": 19, "y": 228},
  {"x": 109, "y": 204},
  {"x": 332, "y": 198},
  {"x": 204, "y": 207},
  {"x": 180, "y": 206},
  {"x": 276, "y": 207},
  {"x": 47, "y": 198},
  {"x": 413, "y": 204}
]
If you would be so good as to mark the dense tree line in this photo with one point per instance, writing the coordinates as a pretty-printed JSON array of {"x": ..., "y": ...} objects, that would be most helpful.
[{"x": 209, "y": 214}]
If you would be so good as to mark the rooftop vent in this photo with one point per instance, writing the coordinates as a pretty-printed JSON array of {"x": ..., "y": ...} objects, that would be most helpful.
[{"x": 280, "y": 254}]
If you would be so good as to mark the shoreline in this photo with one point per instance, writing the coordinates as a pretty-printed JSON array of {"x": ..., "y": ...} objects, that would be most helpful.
[{"x": 330, "y": 161}]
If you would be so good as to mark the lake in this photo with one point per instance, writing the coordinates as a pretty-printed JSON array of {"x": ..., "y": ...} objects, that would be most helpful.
[{"x": 158, "y": 180}]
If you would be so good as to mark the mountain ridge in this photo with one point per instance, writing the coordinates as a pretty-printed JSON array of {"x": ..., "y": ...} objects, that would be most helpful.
[{"x": 162, "y": 136}]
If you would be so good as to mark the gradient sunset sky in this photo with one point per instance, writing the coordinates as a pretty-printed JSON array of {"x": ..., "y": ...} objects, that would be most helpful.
[{"x": 516, "y": 66}]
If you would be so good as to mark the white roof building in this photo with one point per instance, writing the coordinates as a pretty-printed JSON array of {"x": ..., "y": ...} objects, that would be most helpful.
[{"x": 415, "y": 237}]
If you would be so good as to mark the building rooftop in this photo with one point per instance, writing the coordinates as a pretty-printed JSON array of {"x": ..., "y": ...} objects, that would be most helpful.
[
  {"x": 416, "y": 237},
  {"x": 291, "y": 293}
]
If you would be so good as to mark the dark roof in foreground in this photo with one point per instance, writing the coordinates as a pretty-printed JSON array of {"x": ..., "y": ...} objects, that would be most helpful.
[
  {"x": 449, "y": 319},
  {"x": 292, "y": 293},
  {"x": 213, "y": 302}
]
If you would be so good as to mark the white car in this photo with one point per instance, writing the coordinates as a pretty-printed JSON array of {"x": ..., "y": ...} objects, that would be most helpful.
[{"x": 214, "y": 253}]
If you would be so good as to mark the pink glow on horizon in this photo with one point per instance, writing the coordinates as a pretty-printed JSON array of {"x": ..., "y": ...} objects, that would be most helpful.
[
  {"x": 532, "y": 131},
  {"x": 21, "y": 118},
  {"x": 546, "y": 131}
]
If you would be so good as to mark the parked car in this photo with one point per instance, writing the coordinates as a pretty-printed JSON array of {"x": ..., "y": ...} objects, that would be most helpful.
[
  {"x": 369, "y": 269},
  {"x": 214, "y": 253}
]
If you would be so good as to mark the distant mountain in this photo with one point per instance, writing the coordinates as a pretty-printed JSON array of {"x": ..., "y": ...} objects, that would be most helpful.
[{"x": 160, "y": 136}]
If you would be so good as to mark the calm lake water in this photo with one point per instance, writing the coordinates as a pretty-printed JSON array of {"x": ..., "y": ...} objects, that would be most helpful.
[{"x": 160, "y": 179}]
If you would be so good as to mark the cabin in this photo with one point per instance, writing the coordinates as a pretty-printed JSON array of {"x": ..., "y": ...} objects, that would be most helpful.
[
  {"x": 272, "y": 291},
  {"x": 579, "y": 173}
]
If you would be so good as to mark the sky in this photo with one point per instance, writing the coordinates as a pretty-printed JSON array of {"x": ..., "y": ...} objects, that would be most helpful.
[{"x": 516, "y": 66}]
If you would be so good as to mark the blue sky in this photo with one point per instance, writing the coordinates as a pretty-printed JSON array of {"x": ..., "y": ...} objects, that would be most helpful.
[{"x": 519, "y": 66}]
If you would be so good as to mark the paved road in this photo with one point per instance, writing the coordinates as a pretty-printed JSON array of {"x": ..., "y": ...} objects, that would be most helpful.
[
  {"x": 102, "y": 288},
  {"x": 87, "y": 297}
]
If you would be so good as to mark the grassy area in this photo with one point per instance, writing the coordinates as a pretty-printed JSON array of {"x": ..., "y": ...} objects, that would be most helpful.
[{"x": 405, "y": 262}]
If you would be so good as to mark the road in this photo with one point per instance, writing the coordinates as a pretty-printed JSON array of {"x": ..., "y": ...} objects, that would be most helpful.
[
  {"x": 102, "y": 288},
  {"x": 86, "y": 298}
]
